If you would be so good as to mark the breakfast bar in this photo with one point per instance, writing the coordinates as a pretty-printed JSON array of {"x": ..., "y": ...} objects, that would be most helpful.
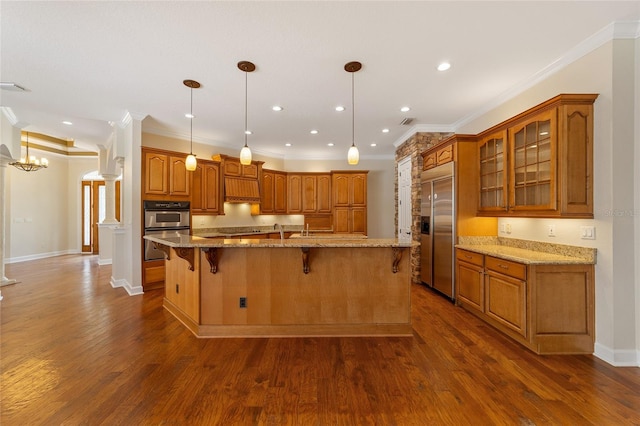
[{"x": 288, "y": 287}]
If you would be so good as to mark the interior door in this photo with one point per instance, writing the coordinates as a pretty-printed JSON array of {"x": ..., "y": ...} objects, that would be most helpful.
[
  {"x": 404, "y": 199},
  {"x": 93, "y": 212}
]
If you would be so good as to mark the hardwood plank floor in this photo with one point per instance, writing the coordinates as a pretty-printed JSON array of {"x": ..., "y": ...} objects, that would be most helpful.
[{"x": 75, "y": 351}]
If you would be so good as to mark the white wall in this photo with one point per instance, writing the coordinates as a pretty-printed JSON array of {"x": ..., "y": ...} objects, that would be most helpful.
[
  {"x": 610, "y": 71},
  {"x": 43, "y": 208}
]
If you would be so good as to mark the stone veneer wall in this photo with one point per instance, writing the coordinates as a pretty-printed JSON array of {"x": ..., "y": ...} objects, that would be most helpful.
[{"x": 413, "y": 147}]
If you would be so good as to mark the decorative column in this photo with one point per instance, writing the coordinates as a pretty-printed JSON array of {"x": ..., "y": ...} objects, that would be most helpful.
[
  {"x": 4, "y": 160},
  {"x": 110, "y": 198}
]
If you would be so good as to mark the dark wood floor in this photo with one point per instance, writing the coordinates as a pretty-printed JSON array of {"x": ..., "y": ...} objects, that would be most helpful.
[{"x": 75, "y": 351}]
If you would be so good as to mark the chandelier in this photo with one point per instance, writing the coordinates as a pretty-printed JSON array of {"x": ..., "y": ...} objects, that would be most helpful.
[{"x": 30, "y": 163}]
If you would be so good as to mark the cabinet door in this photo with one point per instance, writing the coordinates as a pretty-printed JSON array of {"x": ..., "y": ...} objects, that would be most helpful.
[
  {"x": 267, "y": 201},
  {"x": 429, "y": 161},
  {"x": 358, "y": 219},
  {"x": 470, "y": 285},
  {"x": 156, "y": 173},
  {"x": 197, "y": 189},
  {"x": 492, "y": 154},
  {"x": 506, "y": 301},
  {"x": 341, "y": 216},
  {"x": 341, "y": 191},
  {"x": 294, "y": 190},
  {"x": 212, "y": 202},
  {"x": 280, "y": 193},
  {"x": 323, "y": 193},
  {"x": 179, "y": 179},
  {"x": 533, "y": 163},
  {"x": 444, "y": 155},
  {"x": 359, "y": 190},
  {"x": 308, "y": 194}
]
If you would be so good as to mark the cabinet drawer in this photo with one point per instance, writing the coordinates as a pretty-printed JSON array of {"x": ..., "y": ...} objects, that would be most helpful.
[
  {"x": 470, "y": 257},
  {"x": 506, "y": 267}
]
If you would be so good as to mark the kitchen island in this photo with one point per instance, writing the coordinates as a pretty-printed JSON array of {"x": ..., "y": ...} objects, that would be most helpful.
[{"x": 288, "y": 287}]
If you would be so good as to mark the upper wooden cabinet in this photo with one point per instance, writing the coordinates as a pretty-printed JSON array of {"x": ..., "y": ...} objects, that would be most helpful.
[
  {"x": 165, "y": 174},
  {"x": 437, "y": 156},
  {"x": 273, "y": 192},
  {"x": 309, "y": 193},
  {"x": 205, "y": 188},
  {"x": 349, "y": 202},
  {"x": 540, "y": 163}
]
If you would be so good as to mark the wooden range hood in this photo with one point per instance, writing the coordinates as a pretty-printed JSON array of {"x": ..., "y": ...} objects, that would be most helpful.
[{"x": 241, "y": 182}]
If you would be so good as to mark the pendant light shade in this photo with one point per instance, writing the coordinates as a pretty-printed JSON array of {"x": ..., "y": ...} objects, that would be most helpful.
[
  {"x": 245, "y": 152},
  {"x": 353, "y": 156},
  {"x": 191, "y": 162}
]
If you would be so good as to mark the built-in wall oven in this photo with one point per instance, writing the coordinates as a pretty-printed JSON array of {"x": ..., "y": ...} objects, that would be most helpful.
[{"x": 164, "y": 218}]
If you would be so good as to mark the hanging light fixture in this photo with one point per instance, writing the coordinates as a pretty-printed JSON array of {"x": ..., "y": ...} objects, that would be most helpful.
[
  {"x": 245, "y": 152},
  {"x": 191, "y": 162},
  {"x": 30, "y": 163},
  {"x": 353, "y": 156}
]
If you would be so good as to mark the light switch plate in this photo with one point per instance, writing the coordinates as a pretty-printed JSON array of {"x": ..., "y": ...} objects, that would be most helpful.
[{"x": 588, "y": 232}]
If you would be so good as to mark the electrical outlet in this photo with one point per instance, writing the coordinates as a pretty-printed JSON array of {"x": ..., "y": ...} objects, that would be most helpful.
[
  {"x": 508, "y": 228},
  {"x": 243, "y": 302},
  {"x": 551, "y": 230}
]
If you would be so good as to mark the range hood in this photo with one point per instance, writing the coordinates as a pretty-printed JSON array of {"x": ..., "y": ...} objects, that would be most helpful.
[{"x": 241, "y": 190}]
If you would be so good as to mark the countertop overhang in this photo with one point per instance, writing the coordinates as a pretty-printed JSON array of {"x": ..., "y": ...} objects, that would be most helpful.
[{"x": 192, "y": 241}]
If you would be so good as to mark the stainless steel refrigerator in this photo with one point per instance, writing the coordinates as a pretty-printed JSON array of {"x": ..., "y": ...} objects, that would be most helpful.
[{"x": 438, "y": 229}]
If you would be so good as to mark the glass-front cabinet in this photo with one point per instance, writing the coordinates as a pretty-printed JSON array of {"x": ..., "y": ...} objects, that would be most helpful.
[
  {"x": 540, "y": 163},
  {"x": 533, "y": 147},
  {"x": 493, "y": 172}
]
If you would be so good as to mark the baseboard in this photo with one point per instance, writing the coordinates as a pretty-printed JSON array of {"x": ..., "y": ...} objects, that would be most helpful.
[
  {"x": 132, "y": 291},
  {"x": 617, "y": 358},
  {"x": 38, "y": 256},
  {"x": 102, "y": 262}
]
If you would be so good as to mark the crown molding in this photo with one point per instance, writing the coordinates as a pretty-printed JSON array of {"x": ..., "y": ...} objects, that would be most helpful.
[{"x": 423, "y": 128}]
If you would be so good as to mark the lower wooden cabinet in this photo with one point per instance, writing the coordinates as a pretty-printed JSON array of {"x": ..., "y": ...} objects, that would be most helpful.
[{"x": 549, "y": 308}]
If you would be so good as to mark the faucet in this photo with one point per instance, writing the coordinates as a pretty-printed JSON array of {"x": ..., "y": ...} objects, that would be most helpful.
[{"x": 278, "y": 226}]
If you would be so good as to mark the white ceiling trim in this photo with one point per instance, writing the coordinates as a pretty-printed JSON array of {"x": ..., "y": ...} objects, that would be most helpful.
[{"x": 423, "y": 128}]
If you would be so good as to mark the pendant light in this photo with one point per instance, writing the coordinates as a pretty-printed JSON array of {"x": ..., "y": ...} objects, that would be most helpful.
[
  {"x": 191, "y": 162},
  {"x": 30, "y": 163},
  {"x": 245, "y": 152},
  {"x": 353, "y": 156}
]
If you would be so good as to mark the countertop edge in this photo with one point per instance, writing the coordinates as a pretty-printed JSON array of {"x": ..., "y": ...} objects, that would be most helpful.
[{"x": 528, "y": 257}]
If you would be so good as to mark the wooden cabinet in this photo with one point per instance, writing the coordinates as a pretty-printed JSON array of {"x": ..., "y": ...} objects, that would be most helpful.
[
  {"x": 548, "y": 308},
  {"x": 206, "y": 188},
  {"x": 309, "y": 193},
  {"x": 273, "y": 192},
  {"x": 470, "y": 277},
  {"x": 540, "y": 163},
  {"x": 349, "y": 202},
  {"x": 165, "y": 175},
  {"x": 438, "y": 155},
  {"x": 506, "y": 293}
]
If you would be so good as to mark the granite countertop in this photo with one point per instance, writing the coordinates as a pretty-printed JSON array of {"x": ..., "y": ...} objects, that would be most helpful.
[
  {"x": 202, "y": 242},
  {"x": 242, "y": 231},
  {"x": 529, "y": 252}
]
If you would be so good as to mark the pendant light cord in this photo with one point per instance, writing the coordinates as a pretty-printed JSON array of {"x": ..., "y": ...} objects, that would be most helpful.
[
  {"x": 191, "y": 121},
  {"x": 245, "y": 108},
  {"x": 353, "y": 113}
]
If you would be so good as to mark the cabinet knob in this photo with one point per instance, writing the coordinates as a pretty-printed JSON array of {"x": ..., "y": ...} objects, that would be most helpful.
[{"x": 504, "y": 266}]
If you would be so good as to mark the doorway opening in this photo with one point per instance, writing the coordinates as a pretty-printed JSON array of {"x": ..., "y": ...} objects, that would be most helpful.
[{"x": 94, "y": 208}]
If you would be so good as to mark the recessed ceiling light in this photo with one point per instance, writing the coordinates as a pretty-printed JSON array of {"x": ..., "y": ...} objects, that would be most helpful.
[
  {"x": 287, "y": 144},
  {"x": 189, "y": 115},
  {"x": 330, "y": 144},
  {"x": 277, "y": 108},
  {"x": 405, "y": 109},
  {"x": 68, "y": 123},
  {"x": 444, "y": 66},
  {"x": 374, "y": 144},
  {"x": 248, "y": 132},
  {"x": 385, "y": 130},
  {"x": 339, "y": 108},
  {"x": 314, "y": 132}
]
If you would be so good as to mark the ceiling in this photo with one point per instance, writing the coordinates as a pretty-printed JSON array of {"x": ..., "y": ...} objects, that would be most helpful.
[{"x": 92, "y": 62}]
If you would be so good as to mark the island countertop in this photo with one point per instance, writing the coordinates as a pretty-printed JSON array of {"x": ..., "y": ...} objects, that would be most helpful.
[{"x": 192, "y": 241}]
